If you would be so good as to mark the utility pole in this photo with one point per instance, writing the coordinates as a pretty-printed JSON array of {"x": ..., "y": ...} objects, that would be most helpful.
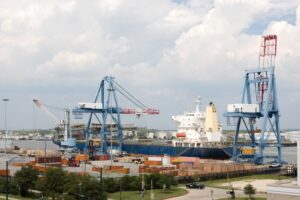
[
  {"x": 6, "y": 182},
  {"x": 5, "y": 123},
  {"x": 120, "y": 188},
  {"x": 80, "y": 195},
  {"x": 6, "y": 174},
  {"x": 152, "y": 193},
  {"x": 101, "y": 183},
  {"x": 143, "y": 187},
  {"x": 45, "y": 154}
]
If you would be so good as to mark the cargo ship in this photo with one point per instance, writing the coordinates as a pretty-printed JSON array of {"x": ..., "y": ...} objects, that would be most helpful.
[{"x": 199, "y": 134}]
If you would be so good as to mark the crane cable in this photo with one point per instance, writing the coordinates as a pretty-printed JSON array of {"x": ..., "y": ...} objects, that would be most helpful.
[{"x": 132, "y": 99}]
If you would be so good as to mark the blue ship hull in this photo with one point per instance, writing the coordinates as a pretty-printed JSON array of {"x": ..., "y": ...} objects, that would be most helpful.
[{"x": 200, "y": 152}]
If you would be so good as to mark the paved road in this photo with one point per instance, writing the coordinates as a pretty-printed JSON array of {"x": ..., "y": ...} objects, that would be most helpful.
[
  {"x": 10, "y": 198},
  {"x": 205, "y": 194}
]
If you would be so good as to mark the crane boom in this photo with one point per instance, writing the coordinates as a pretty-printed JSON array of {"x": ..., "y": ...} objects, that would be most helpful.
[
  {"x": 44, "y": 108},
  {"x": 65, "y": 124}
]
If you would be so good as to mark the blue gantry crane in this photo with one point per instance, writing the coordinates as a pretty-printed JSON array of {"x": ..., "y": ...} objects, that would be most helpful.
[
  {"x": 106, "y": 110},
  {"x": 259, "y": 104}
]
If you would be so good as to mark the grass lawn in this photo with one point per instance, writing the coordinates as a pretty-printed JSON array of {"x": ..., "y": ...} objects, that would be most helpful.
[
  {"x": 217, "y": 183},
  {"x": 158, "y": 194},
  {"x": 246, "y": 198}
]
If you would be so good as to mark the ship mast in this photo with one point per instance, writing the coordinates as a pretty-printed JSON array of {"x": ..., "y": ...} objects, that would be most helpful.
[{"x": 198, "y": 103}]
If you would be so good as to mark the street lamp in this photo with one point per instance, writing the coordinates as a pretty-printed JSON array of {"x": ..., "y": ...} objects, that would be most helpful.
[
  {"x": 101, "y": 183},
  {"x": 5, "y": 108},
  {"x": 6, "y": 174},
  {"x": 80, "y": 195}
]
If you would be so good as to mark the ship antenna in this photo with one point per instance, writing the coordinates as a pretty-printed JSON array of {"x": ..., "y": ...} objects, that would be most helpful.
[{"x": 198, "y": 103}]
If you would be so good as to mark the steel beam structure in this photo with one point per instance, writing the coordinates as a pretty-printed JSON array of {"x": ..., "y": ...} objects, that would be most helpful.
[
  {"x": 110, "y": 110},
  {"x": 259, "y": 88}
]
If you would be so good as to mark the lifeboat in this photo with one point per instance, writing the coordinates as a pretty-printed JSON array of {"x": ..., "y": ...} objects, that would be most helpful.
[{"x": 180, "y": 135}]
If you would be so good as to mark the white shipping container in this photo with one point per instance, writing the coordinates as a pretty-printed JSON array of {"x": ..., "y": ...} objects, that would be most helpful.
[
  {"x": 155, "y": 158},
  {"x": 90, "y": 105},
  {"x": 166, "y": 160},
  {"x": 243, "y": 108}
]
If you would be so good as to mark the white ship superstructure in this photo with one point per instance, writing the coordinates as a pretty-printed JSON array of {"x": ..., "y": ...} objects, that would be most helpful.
[
  {"x": 5, "y": 143},
  {"x": 195, "y": 129}
]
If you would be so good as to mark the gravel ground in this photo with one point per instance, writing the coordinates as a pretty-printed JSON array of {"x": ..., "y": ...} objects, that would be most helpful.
[{"x": 260, "y": 185}]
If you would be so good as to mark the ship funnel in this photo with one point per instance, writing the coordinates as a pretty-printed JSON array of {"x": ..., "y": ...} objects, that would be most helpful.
[{"x": 211, "y": 122}]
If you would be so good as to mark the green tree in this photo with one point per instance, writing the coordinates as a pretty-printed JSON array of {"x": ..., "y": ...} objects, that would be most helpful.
[
  {"x": 13, "y": 188},
  {"x": 130, "y": 183},
  {"x": 111, "y": 185},
  {"x": 55, "y": 182},
  {"x": 83, "y": 187},
  {"x": 155, "y": 181},
  {"x": 167, "y": 180},
  {"x": 249, "y": 190},
  {"x": 26, "y": 179}
]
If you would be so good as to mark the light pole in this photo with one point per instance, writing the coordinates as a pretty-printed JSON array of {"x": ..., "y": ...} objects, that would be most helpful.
[
  {"x": 101, "y": 183},
  {"x": 6, "y": 174},
  {"x": 5, "y": 108},
  {"x": 6, "y": 180},
  {"x": 80, "y": 195},
  {"x": 120, "y": 181}
]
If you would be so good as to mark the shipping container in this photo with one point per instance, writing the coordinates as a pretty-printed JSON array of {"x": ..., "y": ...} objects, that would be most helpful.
[{"x": 3, "y": 172}]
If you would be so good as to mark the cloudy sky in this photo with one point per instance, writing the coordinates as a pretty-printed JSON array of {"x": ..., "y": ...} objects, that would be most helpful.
[{"x": 164, "y": 52}]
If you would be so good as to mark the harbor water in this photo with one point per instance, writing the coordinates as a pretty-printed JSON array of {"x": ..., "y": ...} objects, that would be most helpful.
[
  {"x": 289, "y": 154},
  {"x": 35, "y": 144}
]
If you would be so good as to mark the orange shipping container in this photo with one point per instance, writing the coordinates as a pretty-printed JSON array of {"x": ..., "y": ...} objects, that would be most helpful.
[
  {"x": 3, "y": 172},
  {"x": 40, "y": 168},
  {"x": 16, "y": 164},
  {"x": 122, "y": 170},
  {"x": 102, "y": 157},
  {"x": 81, "y": 157},
  {"x": 116, "y": 167},
  {"x": 154, "y": 163},
  {"x": 31, "y": 163},
  {"x": 96, "y": 169},
  {"x": 64, "y": 161},
  {"x": 185, "y": 159}
]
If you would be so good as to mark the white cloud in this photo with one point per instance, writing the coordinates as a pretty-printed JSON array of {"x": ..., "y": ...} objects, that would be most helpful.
[
  {"x": 216, "y": 46},
  {"x": 289, "y": 51},
  {"x": 159, "y": 48},
  {"x": 69, "y": 62}
]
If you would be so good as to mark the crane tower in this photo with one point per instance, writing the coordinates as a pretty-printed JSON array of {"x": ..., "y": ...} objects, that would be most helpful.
[
  {"x": 258, "y": 108},
  {"x": 106, "y": 110}
]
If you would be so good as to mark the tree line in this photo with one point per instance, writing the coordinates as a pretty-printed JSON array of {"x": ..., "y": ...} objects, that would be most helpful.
[{"x": 58, "y": 184}]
